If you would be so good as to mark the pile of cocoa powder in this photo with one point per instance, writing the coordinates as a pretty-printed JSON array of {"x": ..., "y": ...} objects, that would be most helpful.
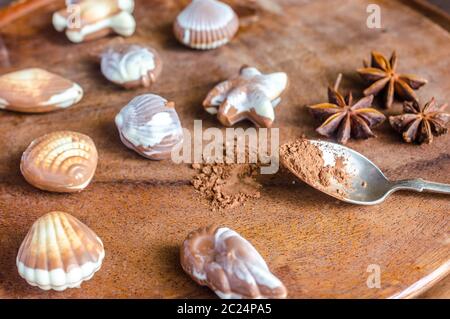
[
  {"x": 227, "y": 185},
  {"x": 229, "y": 181},
  {"x": 305, "y": 160}
]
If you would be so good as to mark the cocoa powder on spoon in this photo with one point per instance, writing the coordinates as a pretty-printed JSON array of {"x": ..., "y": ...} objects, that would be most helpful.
[{"x": 306, "y": 161}]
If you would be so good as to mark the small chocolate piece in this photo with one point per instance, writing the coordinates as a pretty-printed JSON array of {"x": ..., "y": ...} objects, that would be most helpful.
[
  {"x": 93, "y": 19},
  {"x": 150, "y": 126},
  {"x": 37, "y": 91},
  {"x": 206, "y": 24},
  {"x": 418, "y": 124},
  {"x": 221, "y": 259},
  {"x": 59, "y": 252},
  {"x": 250, "y": 95},
  {"x": 4, "y": 54},
  {"x": 61, "y": 161},
  {"x": 131, "y": 65}
]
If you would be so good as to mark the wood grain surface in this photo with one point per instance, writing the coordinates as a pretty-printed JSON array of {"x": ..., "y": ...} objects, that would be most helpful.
[{"x": 143, "y": 209}]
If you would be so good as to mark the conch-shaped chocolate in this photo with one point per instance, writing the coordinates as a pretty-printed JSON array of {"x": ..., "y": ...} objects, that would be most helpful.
[
  {"x": 221, "y": 259},
  {"x": 61, "y": 161},
  {"x": 150, "y": 126},
  {"x": 131, "y": 65},
  {"x": 93, "y": 19},
  {"x": 59, "y": 252}
]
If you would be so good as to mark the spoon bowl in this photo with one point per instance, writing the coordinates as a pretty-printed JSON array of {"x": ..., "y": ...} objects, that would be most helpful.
[{"x": 367, "y": 185}]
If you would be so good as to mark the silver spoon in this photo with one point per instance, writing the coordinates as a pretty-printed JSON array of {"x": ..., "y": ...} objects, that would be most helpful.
[{"x": 369, "y": 186}]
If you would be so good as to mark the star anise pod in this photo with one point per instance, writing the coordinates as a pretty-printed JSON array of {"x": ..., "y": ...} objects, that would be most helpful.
[
  {"x": 382, "y": 73},
  {"x": 345, "y": 119},
  {"x": 420, "y": 123}
]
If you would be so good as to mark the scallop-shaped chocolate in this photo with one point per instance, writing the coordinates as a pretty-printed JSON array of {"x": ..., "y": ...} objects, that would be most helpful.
[
  {"x": 131, "y": 65},
  {"x": 62, "y": 161},
  {"x": 150, "y": 126},
  {"x": 206, "y": 24},
  {"x": 59, "y": 252},
  {"x": 36, "y": 91}
]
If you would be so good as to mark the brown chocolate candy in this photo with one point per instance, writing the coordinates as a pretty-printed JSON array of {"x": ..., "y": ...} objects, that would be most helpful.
[
  {"x": 221, "y": 259},
  {"x": 61, "y": 161}
]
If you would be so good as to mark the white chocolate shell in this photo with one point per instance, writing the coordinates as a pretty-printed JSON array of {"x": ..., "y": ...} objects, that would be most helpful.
[
  {"x": 37, "y": 91},
  {"x": 221, "y": 259},
  {"x": 251, "y": 95},
  {"x": 150, "y": 126},
  {"x": 97, "y": 18},
  {"x": 206, "y": 24},
  {"x": 131, "y": 65},
  {"x": 59, "y": 252},
  {"x": 62, "y": 161}
]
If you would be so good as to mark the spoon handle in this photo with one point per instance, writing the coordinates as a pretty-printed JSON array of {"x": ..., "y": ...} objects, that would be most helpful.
[{"x": 420, "y": 185}]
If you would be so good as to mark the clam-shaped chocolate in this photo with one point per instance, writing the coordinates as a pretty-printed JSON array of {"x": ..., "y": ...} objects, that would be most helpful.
[
  {"x": 131, "y": 65},
  {"x": 62, "y": 161},
  {"x": 206, "y": 24},
  {"x": 92, "y": 19},
  {"x": 37, "y": 91},
  {"x": 59, "y": 252},
  {"x": 221, "y": 259},
  {"x": 150, "y": 126}
]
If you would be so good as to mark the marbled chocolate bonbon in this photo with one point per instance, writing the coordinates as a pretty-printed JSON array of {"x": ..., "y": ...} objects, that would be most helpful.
[
  {"x": 150, "y": 126},
  {"x": 61, "y": 161},
  {"x": 59, "y": 252},
  {"x": 221, "y": 259}
]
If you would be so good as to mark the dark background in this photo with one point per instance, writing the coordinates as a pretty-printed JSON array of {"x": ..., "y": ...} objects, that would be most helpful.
[{"x": 443, "y": 4}]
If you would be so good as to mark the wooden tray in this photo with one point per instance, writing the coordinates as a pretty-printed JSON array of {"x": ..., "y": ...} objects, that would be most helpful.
[{"x": 143, "y": 209}]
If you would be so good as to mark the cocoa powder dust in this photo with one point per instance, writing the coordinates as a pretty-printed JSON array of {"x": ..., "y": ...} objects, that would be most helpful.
[
  {"x": 305, "y": 160},
  {"x": 227, "y": 185}
]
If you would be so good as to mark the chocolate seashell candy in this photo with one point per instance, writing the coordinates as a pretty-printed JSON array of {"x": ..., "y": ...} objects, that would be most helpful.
[
  {"x": 206, "y": 24},
  {"x": 93, "y": 19},
  {"x": 150, "y": 126},
  {"x": 36, "y": 91},
  {"x": 131, "y": 65},
  {"x": 59, "y": 252},
  {"x": 62, "y": 161},
  {"x": 221, "y": 259},
  {"x": 251, "y": 95}
]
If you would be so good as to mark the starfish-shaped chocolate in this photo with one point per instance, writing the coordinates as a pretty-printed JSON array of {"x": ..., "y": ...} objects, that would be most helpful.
[
  {"x": 345, "y": 119},
  {"x": 250, "y": 95},
  {"x": 420, "y": 123},
  {"x": 382, "y": 73}
]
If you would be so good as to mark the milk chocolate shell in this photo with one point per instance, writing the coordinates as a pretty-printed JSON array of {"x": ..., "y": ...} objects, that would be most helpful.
[
  {"x": 62, "y": 161},
  {"x": 131, "y": 65},
  {"x": 97, "y": 18},
  {"x": 150, "y": 126},
  {"x": 206, "y": 24},
  {"x": 221, "y": 259},
  {"x": 36, "y": 91},
  {"x": 59, "y": 252},
  {"x": 251, "y": 95}
]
